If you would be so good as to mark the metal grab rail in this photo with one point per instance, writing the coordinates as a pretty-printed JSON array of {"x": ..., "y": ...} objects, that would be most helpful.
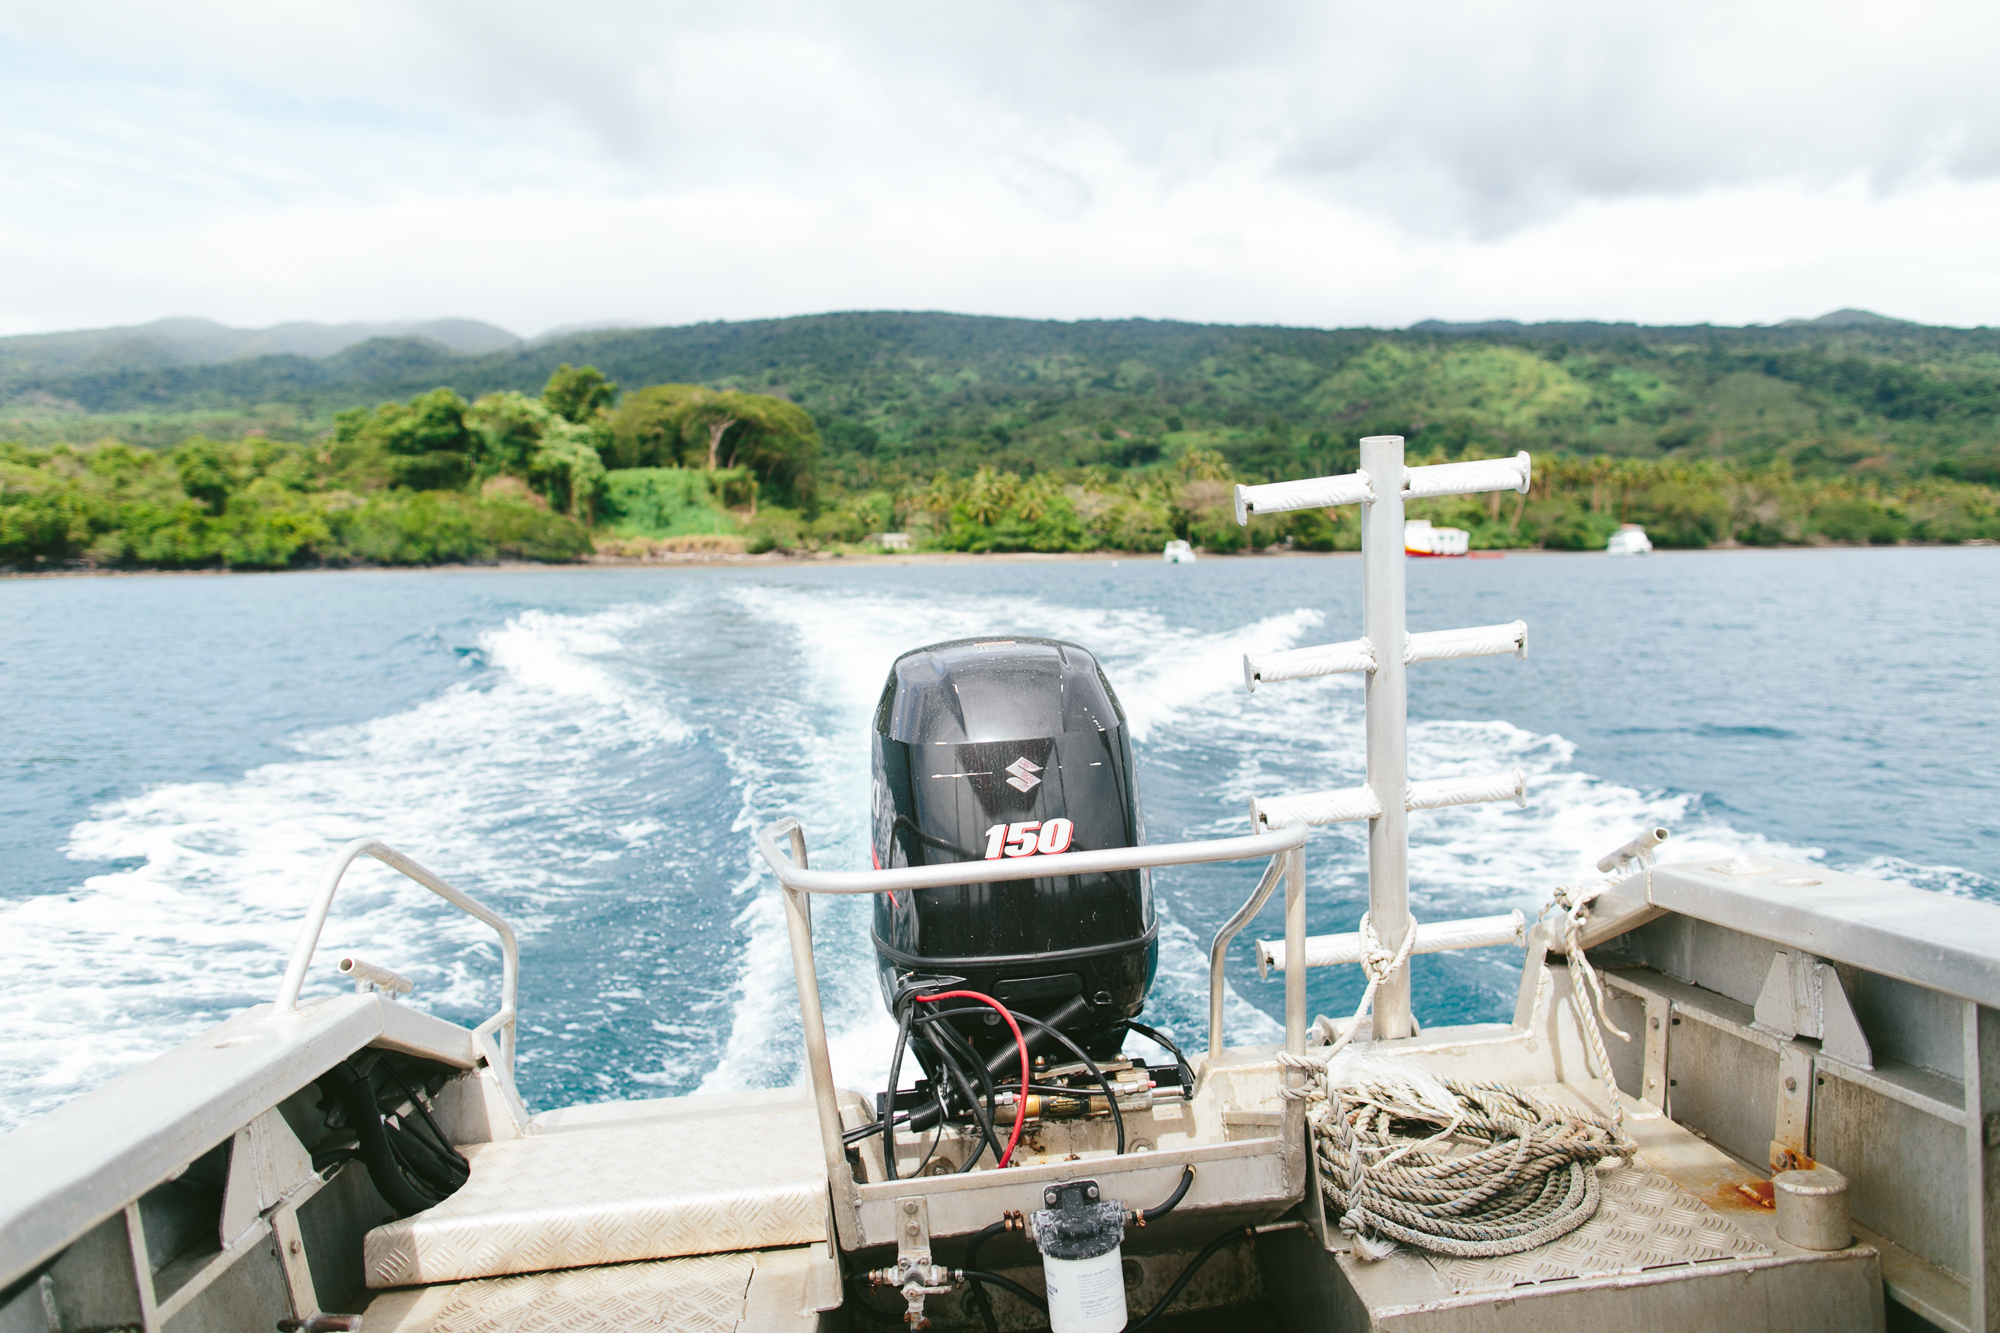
[
  {"x": 795, "y": 875},
  {"x": 799, "y": 882},
  {"x": 501, "y": 1023},
  {"x": 1219, "y": 949}
]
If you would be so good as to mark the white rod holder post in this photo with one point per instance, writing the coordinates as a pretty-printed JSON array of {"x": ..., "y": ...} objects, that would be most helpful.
[{"x": 1382, "y": 621}]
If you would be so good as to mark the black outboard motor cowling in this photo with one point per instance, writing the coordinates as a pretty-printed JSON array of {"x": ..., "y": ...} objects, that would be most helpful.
[{"x": 1012, "y": 749}]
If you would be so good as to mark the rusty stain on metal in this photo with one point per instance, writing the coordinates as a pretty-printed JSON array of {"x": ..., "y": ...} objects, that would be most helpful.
[{"x": 1760, "y": 1192}]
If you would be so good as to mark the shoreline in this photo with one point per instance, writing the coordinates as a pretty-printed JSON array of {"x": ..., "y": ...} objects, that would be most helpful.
[{"x": 772, "y": 558}]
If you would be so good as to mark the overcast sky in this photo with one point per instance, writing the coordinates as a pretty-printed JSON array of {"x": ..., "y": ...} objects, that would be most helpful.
[{"x": 536, "y": 164}]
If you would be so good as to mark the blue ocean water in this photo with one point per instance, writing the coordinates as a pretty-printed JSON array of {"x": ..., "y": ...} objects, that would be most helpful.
[{"x": 587, "y": 750}]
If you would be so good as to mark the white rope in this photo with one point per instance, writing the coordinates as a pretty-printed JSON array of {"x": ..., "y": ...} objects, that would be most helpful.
[
  {"x": 1571, "y": 905},
  {"x": 1379, "y": 963}
]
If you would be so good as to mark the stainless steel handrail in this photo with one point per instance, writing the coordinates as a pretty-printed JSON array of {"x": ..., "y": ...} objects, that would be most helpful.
[
  {"x": 796, "y": 876},
  {"x": 1217, "y": 951},
  {"x": 501, "y": 1023},
  {"x": 799, "y": 882}
]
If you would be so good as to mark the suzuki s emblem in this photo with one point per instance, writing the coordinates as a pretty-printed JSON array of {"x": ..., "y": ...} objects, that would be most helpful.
[{"x": 1024, "y": 778}]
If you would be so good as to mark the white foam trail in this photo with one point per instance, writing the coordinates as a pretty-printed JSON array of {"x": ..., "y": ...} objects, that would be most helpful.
[
  {"x": 135, "y": 960},
  {"x": 846, "y": 643},
  {"x": 1183, "y": 696}
]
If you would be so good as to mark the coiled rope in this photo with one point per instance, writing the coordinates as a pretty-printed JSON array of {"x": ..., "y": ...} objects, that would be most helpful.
[{"x": 1471, "y": 1170}]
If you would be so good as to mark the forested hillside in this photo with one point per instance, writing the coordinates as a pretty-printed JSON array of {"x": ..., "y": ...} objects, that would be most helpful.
[{"x": 1848, "y": 428}]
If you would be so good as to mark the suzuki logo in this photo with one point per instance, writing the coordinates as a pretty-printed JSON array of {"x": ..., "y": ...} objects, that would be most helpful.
[{"x": 1024, "y": 778}]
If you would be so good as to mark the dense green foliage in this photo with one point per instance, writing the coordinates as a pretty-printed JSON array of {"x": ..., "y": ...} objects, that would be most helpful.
[
  {"x": 668, "y": 502},
  {"x": 993, "y": 434},
  {"x": 251, "y": 504}
]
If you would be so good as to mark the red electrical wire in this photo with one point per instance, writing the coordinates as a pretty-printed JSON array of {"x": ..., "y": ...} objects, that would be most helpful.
[{"x": 1020, "y": 1042}]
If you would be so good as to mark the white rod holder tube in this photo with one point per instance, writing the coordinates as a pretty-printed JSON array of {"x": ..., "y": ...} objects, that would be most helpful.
[
  {"x": 1440, "y": 792},
  {"x": 1327, "y": 659},
  {"x": 1313, "y": 493},
  {"x": 1382, "y": 562},
  {"x": 1632, "y": 850},
  {"x": 365, "y": 975},
  {"x": 1314, "y": 809},
  {"x": 1443, "y": 645},
  {"x": 1479, "y": 932},
  {"x": 1483, "y": 474}
]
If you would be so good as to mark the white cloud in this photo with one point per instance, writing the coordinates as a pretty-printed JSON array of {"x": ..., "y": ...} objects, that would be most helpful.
[{"x": 1304, "y": 163}]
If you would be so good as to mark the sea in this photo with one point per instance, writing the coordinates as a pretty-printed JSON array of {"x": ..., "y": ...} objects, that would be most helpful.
[{"x": 588, "y": 750}]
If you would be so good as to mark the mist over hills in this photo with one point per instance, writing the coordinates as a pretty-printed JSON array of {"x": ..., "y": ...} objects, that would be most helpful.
[
  {"x": 1849, "y": 391},
  {"x": 193, "y": 342}
]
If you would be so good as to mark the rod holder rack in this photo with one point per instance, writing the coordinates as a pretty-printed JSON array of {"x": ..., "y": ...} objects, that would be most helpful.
[{"x": 1381, "y": 487}]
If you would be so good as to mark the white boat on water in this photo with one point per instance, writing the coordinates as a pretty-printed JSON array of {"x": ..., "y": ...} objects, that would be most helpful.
[
  {"x": 1733, "y": 1093},
  {"x": 1630, "y": 539},
  {"x": 1423, "y": 539},
  {"x": 1178, "y": 552}
]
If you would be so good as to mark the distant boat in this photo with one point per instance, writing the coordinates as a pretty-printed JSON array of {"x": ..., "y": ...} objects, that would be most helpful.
[
  {"x": 1420, "y": 538},
  {"x": 1630, "y": 539},
  {"x": 1178, "y": 553}
]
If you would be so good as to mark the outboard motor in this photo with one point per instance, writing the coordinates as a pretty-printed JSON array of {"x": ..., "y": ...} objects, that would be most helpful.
[{"x": 1012, "y": 749}]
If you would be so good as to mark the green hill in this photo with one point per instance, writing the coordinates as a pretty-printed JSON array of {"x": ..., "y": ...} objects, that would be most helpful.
[
  {"x": 1848, "y": 394},
  {"x": 1000, "y": 434}
]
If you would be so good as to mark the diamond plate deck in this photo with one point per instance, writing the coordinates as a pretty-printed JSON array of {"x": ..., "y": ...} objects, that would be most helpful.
[
  {"x": 1646, "y": 1221},
  {"x": 703, "y": 1294},
  {"x": 743, "y": 1177}
]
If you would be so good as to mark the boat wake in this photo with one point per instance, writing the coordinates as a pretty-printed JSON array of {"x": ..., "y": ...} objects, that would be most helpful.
[{"x": 596, "y": 777}]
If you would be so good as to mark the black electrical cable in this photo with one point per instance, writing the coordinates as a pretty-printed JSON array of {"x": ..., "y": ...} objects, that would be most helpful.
[
  {"x": 950, "y": 1065},
  {"x": 895, "y": 1077},
  {"x": 1173, "y": 1200},
  {"x": 464, "y": 1167},
  {"x": 936, "y": 1139},
  {"x": 979, "y": 1301},
  {"x": 1117, "y": 1117},
  {"x": 1187, "y": 1274},
  {"x": 1006, "y": 1284},
  {"x": 1005, "y": 1059},
  {"x": 446, "y": 1171},
  {"x": 1155, "y": 1035},
  {"x": 943, "y": 1035},
  {"x": 364, "y": 1117},
  {"x": 425, "y": 1175}
]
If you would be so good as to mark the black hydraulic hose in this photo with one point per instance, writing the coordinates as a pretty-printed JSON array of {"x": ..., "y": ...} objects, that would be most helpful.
[
  {"x": 1117, "y": 1116},
  {"x": 1006, "y": 1284},
  {"x": 464, "y": 1167},
  {"x": 1180, "y": 1192},
  {"x": 434, "y": 1174},
  {"x": 878, "y": 1316},
  {"x": 950, "y": 1065},
  {"x": 1187, "y": 1274},
  {"x": 943, "y": 1035},
  {"x": 979, "y": 1301},
  {"x": 895, "y": 1077},
  {"x": 365, "y": 1119},
  {"x": 998, "y": 1064}
]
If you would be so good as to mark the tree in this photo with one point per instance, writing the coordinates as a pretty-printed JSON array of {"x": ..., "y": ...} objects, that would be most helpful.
[
  {"x": 430, "y": 447},
  {"x": 686, "y": 425},
  {"x": 576, "y": 393}
]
